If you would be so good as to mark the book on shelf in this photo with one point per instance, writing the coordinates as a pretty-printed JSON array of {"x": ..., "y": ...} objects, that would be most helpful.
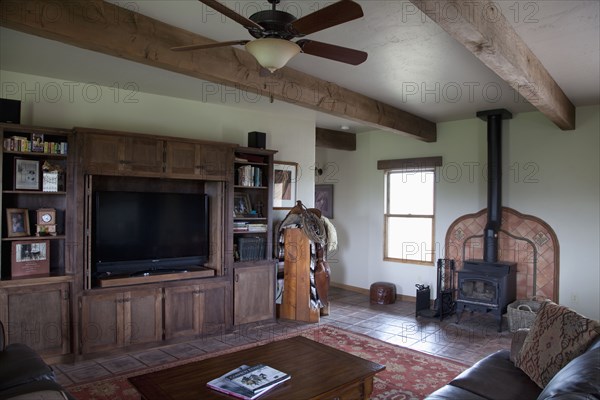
[
  {"x": 240, "y": 226},
  {"x": 256, "y": 227},
  {"x": 248, "y": 175},
  {"x": 249, "y": 382},
  {"x": 24, "y": 145},
  {"x": 251, "y": 248}
]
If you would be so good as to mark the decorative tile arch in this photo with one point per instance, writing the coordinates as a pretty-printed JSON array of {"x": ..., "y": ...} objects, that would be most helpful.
[{"x": 524, "y": 239}]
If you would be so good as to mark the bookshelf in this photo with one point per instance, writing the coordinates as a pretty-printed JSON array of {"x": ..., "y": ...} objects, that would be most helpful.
[
  {"x": 253, "y": 263},
  {"x": 252, "y": 204}
]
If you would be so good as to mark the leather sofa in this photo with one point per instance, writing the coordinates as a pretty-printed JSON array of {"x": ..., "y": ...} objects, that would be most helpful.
[
  {"x": 25, "y": 376},
  {"x": 496, "y": 377}
]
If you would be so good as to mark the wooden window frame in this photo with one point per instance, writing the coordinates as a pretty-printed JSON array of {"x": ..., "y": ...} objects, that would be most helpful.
[{"x": 425, "y": 164}]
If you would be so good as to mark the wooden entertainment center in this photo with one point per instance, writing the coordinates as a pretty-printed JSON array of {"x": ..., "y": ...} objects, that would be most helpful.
[{"x": 67, "y": 313}]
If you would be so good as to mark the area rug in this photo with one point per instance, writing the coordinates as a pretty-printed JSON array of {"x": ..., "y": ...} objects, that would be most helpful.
[{"x": 409, "y": 374}]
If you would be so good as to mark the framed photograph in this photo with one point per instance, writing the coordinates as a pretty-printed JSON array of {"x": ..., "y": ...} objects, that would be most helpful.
[
  {"x": 37, "y": 142},
  {"x": 284, "y": 185},
  {"x": 30, "y": 258},
  {"x": 27, "y": 174},
  {"x": 241, "y": 204},
  {"x": 324, "y": 200},
  {"x": 17, "y": 222}
]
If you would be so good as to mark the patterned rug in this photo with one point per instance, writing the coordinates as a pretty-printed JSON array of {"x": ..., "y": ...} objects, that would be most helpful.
[{"x": 409, "y": 374}]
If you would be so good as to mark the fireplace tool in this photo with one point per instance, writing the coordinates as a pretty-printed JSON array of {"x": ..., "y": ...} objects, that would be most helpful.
[{"x": 445, "y": 303}]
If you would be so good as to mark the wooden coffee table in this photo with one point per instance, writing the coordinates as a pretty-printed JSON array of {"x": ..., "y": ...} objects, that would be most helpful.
[{"x": 318, "y": 372}]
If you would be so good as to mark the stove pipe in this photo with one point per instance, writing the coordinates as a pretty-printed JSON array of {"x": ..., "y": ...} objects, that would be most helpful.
[{"x": 494, "y": 194}]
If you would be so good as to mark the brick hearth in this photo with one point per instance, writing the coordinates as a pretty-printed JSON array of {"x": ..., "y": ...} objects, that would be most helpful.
[{"x": 521, "y": 237}]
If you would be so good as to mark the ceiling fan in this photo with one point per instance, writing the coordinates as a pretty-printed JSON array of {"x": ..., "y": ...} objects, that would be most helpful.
[{"x": 273, "y": 30}]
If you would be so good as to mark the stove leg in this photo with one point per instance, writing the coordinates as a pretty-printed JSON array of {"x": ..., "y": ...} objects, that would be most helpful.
[{"x": 459, "y": 313}]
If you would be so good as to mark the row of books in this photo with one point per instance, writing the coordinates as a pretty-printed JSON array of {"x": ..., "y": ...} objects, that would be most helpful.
[
  {"x": 23, "y": 144},
  {"x": 249, "y": 382},
  {"x": 249, "y": 175},
  {"x": 250, "y": 248},
  {"x": 241, "y": 226}
]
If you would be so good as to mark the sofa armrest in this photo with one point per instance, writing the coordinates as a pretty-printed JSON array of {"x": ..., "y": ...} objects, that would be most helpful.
[{"x": 517, "y": 342}]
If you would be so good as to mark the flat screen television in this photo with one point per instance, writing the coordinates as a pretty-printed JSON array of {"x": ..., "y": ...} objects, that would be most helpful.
[{"x": 141, "y": 233}]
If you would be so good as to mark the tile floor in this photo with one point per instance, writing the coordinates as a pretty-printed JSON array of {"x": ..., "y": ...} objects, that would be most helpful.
[{"x": 468, "y": 341}]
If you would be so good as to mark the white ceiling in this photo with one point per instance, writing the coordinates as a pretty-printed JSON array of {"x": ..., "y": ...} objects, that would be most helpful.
[{"x": 413, "y": 64}]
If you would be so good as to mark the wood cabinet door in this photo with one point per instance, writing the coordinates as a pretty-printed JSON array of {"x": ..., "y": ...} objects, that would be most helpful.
[
  {"x": 181, "y": 158},
  {"x": 254, "y": 293},
  {"x": 217, "y": 299},
  {"x": 183, "y": 311},
  {"x": 214, "y": 162},
  {"x": 144, "y": 155},
  {"x": 103, "y": 154},
  {"x": 110, "y": 154},
  {"x": 102, "y": 322},
  {"x": 38, "y": 316},
  {"x": 198, "y": 160},
  {"x": 142, "y": 315}
]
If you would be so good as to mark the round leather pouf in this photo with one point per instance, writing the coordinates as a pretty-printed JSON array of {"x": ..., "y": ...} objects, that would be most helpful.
[{"x": 383, "y": 293}]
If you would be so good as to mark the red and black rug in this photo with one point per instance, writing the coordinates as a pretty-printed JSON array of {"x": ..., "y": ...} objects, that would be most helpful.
[{"x": 409, "y": 374}]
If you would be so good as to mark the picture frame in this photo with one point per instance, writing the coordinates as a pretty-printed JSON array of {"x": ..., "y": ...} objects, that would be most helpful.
[
  {"x": 30, "y": 258},
  {"x": 27, "y": 174},
  {"x": 17, "y": 222},
  {"x": 324, "y": 199},
  {"x": 242, "y": 206},
  {"x": 285, "y": 176},
  {"x": 37, "y": 142}
]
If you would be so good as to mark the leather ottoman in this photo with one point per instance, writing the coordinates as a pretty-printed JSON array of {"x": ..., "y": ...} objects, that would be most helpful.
[{"x": 383, "y": 293}]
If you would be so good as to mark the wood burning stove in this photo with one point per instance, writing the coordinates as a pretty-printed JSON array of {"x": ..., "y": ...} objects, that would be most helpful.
[{"x": 488, "y": 285}]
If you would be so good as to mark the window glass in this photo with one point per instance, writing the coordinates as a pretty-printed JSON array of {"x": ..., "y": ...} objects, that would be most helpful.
[{"x": 409, "y": 217}]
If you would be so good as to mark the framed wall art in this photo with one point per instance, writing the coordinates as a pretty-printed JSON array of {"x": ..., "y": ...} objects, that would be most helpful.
[
  {"x": 27, "y": 174},
  {"x": 30, "y": 258},
  {"x": 324, "y": 200},
  {"x": 242, "y": 206},
  {"x": 17, "y": 222},
  {"x": 284, "y": 185}
]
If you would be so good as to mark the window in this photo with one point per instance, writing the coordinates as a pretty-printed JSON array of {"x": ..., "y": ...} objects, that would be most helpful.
[{"x": 409, "y": 213}]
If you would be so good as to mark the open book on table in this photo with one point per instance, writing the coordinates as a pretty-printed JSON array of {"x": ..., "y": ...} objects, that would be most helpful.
[{"x": 249, "y": 382}]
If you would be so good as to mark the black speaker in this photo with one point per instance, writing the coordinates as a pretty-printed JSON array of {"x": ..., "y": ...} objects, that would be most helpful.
[
  {"x": 10, "y": 111},
  {"x": 257, "y": 140}
]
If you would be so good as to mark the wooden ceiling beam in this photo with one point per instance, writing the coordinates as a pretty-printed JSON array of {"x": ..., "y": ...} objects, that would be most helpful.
[
  {"x": 109, "y": 29},
  {"x": 337, "y": 140},
  {"x": 481, "y": 27}
]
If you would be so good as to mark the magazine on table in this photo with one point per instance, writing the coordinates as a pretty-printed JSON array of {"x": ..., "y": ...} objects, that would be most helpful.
[{"x": 249, "y": 382}]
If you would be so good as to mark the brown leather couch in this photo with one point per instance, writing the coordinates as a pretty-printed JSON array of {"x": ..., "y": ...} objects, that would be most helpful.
[
  {"x": 495, "y": 377},
  {"x": 24, "y": 375}
]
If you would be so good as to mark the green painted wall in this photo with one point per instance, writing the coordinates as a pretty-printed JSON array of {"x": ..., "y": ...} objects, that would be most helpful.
[{"x": 547, "y": 172}]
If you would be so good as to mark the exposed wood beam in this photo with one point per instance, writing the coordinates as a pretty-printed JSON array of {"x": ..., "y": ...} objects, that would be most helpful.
[
  {"x": 337, "y": 140},
  {"x": 481, "y": 27},
  {"x": 106, "y": 28}
]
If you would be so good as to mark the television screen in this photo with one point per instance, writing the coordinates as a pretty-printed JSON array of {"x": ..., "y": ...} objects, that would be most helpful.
[{"x": 141, "y": 230}]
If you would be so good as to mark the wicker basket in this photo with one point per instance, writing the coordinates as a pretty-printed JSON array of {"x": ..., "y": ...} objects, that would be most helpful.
[{"x": 521, "y": 313}]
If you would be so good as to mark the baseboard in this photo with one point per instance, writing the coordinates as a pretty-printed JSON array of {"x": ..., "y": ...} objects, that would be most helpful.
[{"x": 399, "y": 297}]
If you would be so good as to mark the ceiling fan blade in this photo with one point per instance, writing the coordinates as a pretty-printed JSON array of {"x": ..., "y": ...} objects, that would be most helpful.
[
  {"x": 209, "y": 46},
  {"x": 332, "y": 52},
  {"x": 335, "y": 14},
  {"x": 228, "y": 12}
]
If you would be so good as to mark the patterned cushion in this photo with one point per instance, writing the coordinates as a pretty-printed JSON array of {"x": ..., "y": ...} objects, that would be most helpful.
[{"x": 557, "y": 336}]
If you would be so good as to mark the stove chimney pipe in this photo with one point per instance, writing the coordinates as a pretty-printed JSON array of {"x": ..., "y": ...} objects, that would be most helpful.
[{"x": 494, "y": 195}]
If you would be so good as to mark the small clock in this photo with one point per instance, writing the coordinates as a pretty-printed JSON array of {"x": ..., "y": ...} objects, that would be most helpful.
[{"x": 46, "y": 216}]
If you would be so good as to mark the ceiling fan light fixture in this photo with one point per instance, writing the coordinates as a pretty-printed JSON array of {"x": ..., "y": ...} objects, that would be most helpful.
[{"x": 272, "y": 53}]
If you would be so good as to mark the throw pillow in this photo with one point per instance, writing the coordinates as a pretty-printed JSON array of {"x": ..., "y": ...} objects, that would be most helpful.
[{"x": 557, "y": 336}]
